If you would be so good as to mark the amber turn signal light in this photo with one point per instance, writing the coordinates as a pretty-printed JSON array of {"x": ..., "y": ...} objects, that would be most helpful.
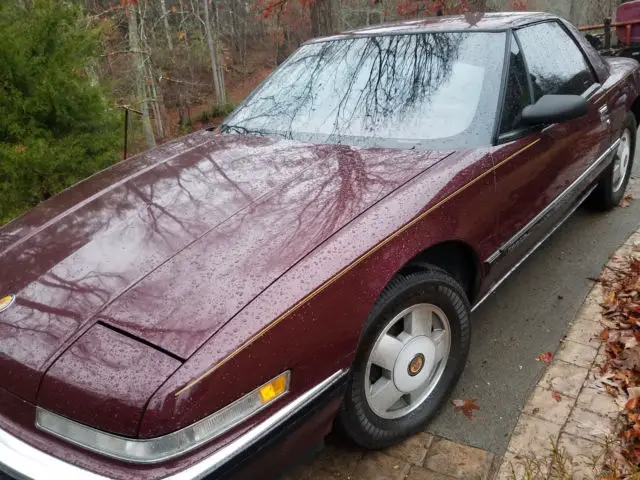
[{"x": 274, "y": 388}]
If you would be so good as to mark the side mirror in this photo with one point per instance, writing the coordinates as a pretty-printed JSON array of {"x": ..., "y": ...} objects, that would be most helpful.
[{"x": 554, "y": 109}]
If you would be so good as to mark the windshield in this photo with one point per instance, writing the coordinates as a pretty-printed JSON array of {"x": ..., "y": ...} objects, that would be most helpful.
[{"x": 426, "y": 90}]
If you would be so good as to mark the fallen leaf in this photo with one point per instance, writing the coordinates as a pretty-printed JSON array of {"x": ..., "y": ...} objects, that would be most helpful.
[
  {"x": 173, "y": 8},
  {"x": 604, "y": 335},
  {"x": 632, "y": 404},
  {"x": 556, "y": 396},
  {"x": 614, "y": 337},
  {"x": 627, "y": 435},
  {"x": 466, "y": 406},
  {"x": 626, "y": 201},
  {"x": 631, "y": 358},
  {"x": 181, "y": 35},
  {"x": 545, "y": 357},
  {"x": 629, "y": 341}
]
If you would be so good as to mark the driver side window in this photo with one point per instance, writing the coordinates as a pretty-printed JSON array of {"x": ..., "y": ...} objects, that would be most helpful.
[{"x": 556, "y": 64}]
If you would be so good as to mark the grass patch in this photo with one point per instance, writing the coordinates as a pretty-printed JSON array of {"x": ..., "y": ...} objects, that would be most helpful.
[
  {"x": 222, "y": 110},
  {"x": 185, "y": 125},
  {"x": 205, "y": 116},
  {"x": 559, "y": 465}
]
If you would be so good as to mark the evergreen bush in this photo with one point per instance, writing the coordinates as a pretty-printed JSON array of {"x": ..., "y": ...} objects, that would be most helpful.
[{"x": 56, "y": 127}]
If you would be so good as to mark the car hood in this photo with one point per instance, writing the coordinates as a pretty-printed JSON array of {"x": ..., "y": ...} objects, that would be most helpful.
[{"x": 169, "y": 245}]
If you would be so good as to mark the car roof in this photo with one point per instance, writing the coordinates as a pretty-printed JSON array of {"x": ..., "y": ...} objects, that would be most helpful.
[{"x": 493, "y": 22}]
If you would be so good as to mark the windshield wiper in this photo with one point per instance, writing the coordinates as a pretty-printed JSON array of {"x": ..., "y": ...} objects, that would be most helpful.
[{"x": 226, "y": 128}]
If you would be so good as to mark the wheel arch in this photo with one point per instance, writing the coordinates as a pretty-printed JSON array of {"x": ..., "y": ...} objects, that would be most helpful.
[{"x": 457, "y": 258}]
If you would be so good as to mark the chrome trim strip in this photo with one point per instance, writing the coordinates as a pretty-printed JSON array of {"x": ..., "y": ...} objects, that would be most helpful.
[
  {"x": 509, "y": 243},
  {"x": 21, "y": 460},
  {"x": 24, "y": 461},
  {"x": 535, "y": 247}
]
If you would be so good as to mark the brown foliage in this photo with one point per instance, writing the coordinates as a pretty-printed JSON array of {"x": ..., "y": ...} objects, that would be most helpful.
[{"x": 621, "y": 370}]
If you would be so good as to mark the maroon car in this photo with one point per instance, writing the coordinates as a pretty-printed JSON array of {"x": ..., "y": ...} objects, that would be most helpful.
[{"x": 214, "y": 306}]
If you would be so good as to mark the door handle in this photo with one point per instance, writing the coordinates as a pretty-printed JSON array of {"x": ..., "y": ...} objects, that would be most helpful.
[{"x": 604, "y": 115}]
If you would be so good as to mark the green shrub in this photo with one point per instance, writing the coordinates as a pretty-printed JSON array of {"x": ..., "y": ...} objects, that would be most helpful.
[
  {"x": 222, "y": 110},
  {"x": 56, "y": 127},
  {"x": 185, "y": 125},
  {"x": 205, "y": 116}
]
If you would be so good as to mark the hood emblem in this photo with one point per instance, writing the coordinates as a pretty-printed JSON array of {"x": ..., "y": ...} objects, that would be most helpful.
[{"x": 6, "y": 302}]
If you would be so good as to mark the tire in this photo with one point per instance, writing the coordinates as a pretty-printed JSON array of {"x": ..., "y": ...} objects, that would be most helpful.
[
  {"x": 610, "y": 190},
  {"x": 364, "y": 417}
]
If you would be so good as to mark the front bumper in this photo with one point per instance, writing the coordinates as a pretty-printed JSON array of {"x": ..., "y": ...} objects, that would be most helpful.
[{"x": 22, "y": 461}]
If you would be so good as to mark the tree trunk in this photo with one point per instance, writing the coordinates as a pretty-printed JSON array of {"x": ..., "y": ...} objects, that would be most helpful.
[
  {"x": 216, "y": 44},
  {"x": 140, "y": 74},
  {"x": 182, "y": 26},
  {"x": 218, "y": 80},
  {"x": 321, "y": 18},
  {"x": 165, "y": 20},
  {"x": 158, "y": 104}
]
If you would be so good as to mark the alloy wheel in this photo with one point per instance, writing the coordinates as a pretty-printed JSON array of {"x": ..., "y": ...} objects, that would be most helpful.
[
  {"x": 621, "y": 162},
  {"x": 407, "y": 361}
]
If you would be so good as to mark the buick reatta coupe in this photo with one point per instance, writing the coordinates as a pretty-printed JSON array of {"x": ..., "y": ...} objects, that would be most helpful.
[{"x": 215, "y": 306}]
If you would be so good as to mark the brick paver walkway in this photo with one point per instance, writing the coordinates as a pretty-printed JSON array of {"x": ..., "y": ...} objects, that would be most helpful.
[{"x": 422, "y": 457}]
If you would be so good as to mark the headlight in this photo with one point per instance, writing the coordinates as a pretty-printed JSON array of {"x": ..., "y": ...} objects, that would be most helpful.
[{"x": 162, "y": 448}]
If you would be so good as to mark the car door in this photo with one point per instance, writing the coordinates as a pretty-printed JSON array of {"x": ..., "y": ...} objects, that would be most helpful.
[{"x": 540, "y": 175}]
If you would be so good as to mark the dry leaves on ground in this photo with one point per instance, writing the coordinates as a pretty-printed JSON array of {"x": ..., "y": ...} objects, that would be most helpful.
[
  {"x": 545, "y": 357},
  {"x": 626, "y": 201},
  {"x": 466, "y": 406},
  {"x": 620, "y": 374}
]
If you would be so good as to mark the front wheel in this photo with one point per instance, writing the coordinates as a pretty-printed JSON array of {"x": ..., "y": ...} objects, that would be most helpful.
[
  {"x": 411, "y": 354},
  {"x": 613, "y": 183}
]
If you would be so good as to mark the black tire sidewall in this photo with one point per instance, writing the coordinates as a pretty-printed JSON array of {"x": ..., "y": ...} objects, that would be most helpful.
[{"x": 435, "y": 287}]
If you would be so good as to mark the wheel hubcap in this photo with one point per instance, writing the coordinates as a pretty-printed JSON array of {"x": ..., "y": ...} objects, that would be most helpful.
[
  {"x": 621, "y": 162},
  {"x": 407, "y": 360}
]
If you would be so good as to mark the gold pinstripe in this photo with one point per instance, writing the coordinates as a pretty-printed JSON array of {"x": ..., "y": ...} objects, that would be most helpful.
[{"x": 350, "y": 267}]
